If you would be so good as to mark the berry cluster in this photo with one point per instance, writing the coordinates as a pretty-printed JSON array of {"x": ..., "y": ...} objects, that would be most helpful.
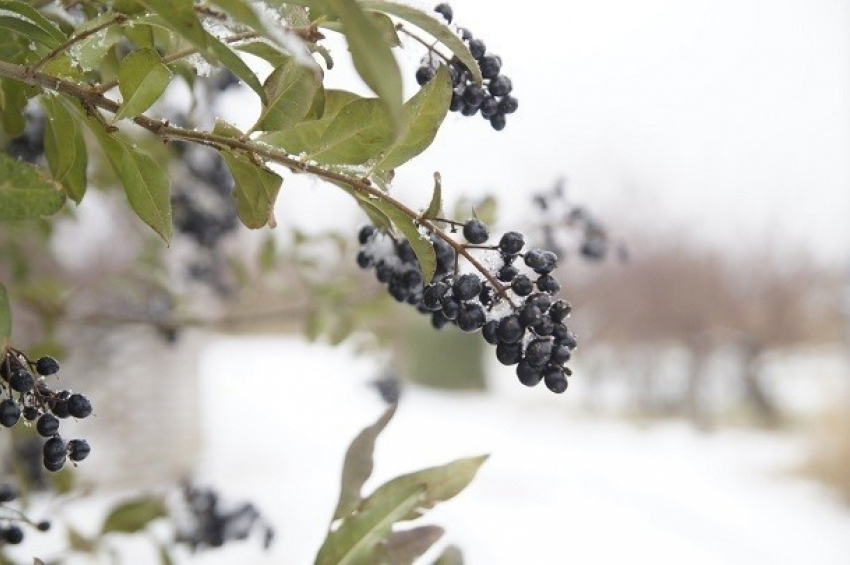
[
  {"x": 493, "y": 100},
  {"x": 10, "y": 532},
  {"x": 519, "y": 315},
  {"x": 37, "y": 402},
  {"x": 205, "y": 524}
]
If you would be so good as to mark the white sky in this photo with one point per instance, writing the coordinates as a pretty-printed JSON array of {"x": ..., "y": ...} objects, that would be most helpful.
[{"x": 727, "y": 118}]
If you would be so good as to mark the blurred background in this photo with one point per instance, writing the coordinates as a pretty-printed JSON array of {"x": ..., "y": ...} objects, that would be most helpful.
[{"x": 689, "y": 164}]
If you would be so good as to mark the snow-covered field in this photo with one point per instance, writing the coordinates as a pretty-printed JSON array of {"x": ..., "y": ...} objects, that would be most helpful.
[{"x": 558, "y": 488}]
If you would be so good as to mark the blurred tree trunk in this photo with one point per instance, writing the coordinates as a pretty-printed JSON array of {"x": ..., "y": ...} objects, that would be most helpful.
[
  {"x": 699, "y": 352},
  {"x": 755, "y": 393}
]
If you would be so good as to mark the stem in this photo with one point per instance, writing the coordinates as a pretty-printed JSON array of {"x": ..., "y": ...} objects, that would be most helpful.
[
  {"x": 93, "y": 98},
  {"x": 429, "y": 46},
  {"x": 117, "y": 19}
]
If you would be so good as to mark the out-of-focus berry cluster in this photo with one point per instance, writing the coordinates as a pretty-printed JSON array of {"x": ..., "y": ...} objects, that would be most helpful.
[
  {"x": 520, "y": 317},
  {"x": 493, "y": 100},
  {"x": 28, "y": 396},
  {"x": 10, "y": 526}
]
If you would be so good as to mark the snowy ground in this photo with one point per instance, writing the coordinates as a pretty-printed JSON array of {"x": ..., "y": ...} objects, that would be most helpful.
[{"x": 558, "y": 488}]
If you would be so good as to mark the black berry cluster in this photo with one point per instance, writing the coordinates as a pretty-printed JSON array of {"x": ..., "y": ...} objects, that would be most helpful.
[
  {"x": 493, "y": 100},
  {"x": 10, "y": 530},
  {"x": 29, "y": 146},
  {"x": 203, "y": 523},
  {"x": 28, "y": 397},
  {"x": 520, "y": 316}
]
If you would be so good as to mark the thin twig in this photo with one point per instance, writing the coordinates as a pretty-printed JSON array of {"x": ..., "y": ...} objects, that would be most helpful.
[{"x": 117, "y": 19}]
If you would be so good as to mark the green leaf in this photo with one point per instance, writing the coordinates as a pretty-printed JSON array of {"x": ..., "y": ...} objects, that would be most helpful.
[
  {"x": 431, "y": 25},
  {"x": 34, "y": 16},
  {"x": 243, "y": 11},
  {"x": 25, "y": 192},
  {"x": 357, "y": 537},
  {"x": 421, "y": 118},
  {"x": 373, "y": 58},
  {"x": 422, "y": 245},
  {"x": 65, "y": 148},
  {"x": 264, "y": 51},
  {"x": 383, "y": 22},
  {"x": 5, "y": 319},
  {"x": 30, "y": 24},
  {"x": 405, "y": 546},
  {"x": 359, "y": 132},
  {"x": 12, "y": 104},
  {"x": 359, "y": 464},
  {"x": 89, "y": 52},
  {"x": 145, "y": 181},
  {"x": 131, "y": 517},
  {"x": 435, "y": 207},
  {"x": 289, "y": 92},
  {"x": 79, "y": 542},
  {"x": 236, "y": 65},
  {"x": 450, "y": 556},
  {"x": 142, "y": 78},
  {"x": 256, "y": 187},
  {"x": 305, "y": 136},
  {"x": 441, "y": 483},
  {"x": 180, "y": 16}
]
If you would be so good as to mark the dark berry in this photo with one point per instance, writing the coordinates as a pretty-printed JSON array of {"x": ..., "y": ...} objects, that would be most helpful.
[
  {"x": 8, "y": 493},
  {"x": 560, "y": 354},
  {"x": 529, "y": 314},
  {"x": 21, "y": 380},
  {"x": 466, "y": 287},
  {"x": 512, "y": 242},
  {"x": 477, "y": 48},
  {"x": 510, "y": 329},
  {"x": 438, "y": 320},
  {"x": 490, "y": 66},
  {"x": 555, "y": 379},
  {"x": 405, "y": 252},
  {"x": 425, "y": 74},
  {"x": 473, "y": 96},
  {"x": 54, "y": 465},
  {"x": 469, "y": 110},
  {"x": 446, "y": 11},
  {"x": 471, "y": 318},
  {"x": 560, "y": 310},
  {"x": 544, "y": 326},
  {"x": 10, "y": 413},
  {"x": 31, "y": 413},
  {"x": 497, "y": 122},
  {"x": 433, "y": 294},
  {"x": 398, "y": 289},
  {"x": 508, "y": 104},
  {"x": 46, "y": 366},
  {"x": 538, "y": 352},
  {"x": 540, "y": 300},
  {"x": 465, "y": 34},
  {"x": 486, "y": 295},
  {"x": 490, "y": 332},
  {"x": 60, "y": 409},
  {"x": 78, "y": 449},
  {"x": 500, "y": 86},
  {"x": 456, "y": 105},
  {"x": 489, "y": 107},
  {"x": 364, "y": 261},
  {"x": 507, "y": 273},
  {"x": 522, "y": 285},
  {"x": 540, "y": 260},
  {"x": 509, "y": 353},
  {"x": 13, "y": 535},
  {"x": 384, "y": 272},
  {"x": 54, "y": 449},
  {"x": 79, "y": 406},
  {"x": 365, "y": 234},
  {"x": 43, "y": 526},
  {"x": 548, "y": 284},
  {"x": 528, "y": 375},
  {"x": 451, "y": 308},
  {"x": 47, "y": 425}
]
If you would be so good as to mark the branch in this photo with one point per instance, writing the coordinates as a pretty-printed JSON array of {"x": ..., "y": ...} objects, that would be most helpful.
[
  {"x": 91, "y": 97},
  {"x": 117, "y": 19}
]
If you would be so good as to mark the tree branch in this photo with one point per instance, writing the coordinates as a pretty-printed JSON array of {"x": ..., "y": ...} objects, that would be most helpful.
[{"x": 93, "y": 98}]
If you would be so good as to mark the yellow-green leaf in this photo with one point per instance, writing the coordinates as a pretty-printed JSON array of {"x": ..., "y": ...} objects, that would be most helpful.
[
  {"x": 131, "y": 517},
  {"x": 180, "y": 16},
  {"x": 289, "y": 93},
  {"x": 65, "y": 147},
  {"x": 421, "y": 117},
  {"x": 26, "y": 192},
  {"x": 359, "y": 132},
  {"x": 305, "y": 136},
  {"x": 142, "y": 78}
]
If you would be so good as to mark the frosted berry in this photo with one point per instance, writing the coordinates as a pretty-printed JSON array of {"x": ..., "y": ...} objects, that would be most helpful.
[
  {"x": 466, "y": 287},
  {"x": 10, "y": 413},
  {"x": 490, "y": 332},
  {"x": 471, "y": 318},
  {"x": 522, "y": 285},
  {"x": 548, "y": 284},
  {"x": 507, "y": 273},
  {"x": 541, "y": 261},
  {"x": 511, "y": 243},
  {"x": 46, "y": 366},
  {"x": 21, "y": 380},
  {"x": 510, "y": 329},
  {"x": 560, "y": 310},
  {"x": 529, "y": 314},
  {"x": 433, "y": 294},
  {"x": 78, "y": 449},
  {"x": 47, "y": 425}
]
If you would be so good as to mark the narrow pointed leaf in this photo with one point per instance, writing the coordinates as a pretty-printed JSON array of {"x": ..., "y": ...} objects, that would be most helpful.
[
  {"x": 65, "y": 147},
  {"x": 421, "y": 117},
  {"x": 25, "y": 192},
  {"x": 89, "y": 52},
  {"x": 305, "y": 136},
  {"x": 435, "y": 207},
  {"x": 433, "y": 26},
  {"x": 289, "y": 93},
  {"x": 131, "y": 517},
  {"x": 180, "y": 16},
  {"x": 34, "y": 16},
  {"x": 236, "y": 65},
  {"x": 441, "y": 483},
  {"x": 358, "y": 465},
  {"x": 356, "y": 539},
  {"x": 372, "y": 55},
  {"x": 405, "y": 546},
  {"x": 422, "y": 245},
  {"x": 142, "y": 78}
]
